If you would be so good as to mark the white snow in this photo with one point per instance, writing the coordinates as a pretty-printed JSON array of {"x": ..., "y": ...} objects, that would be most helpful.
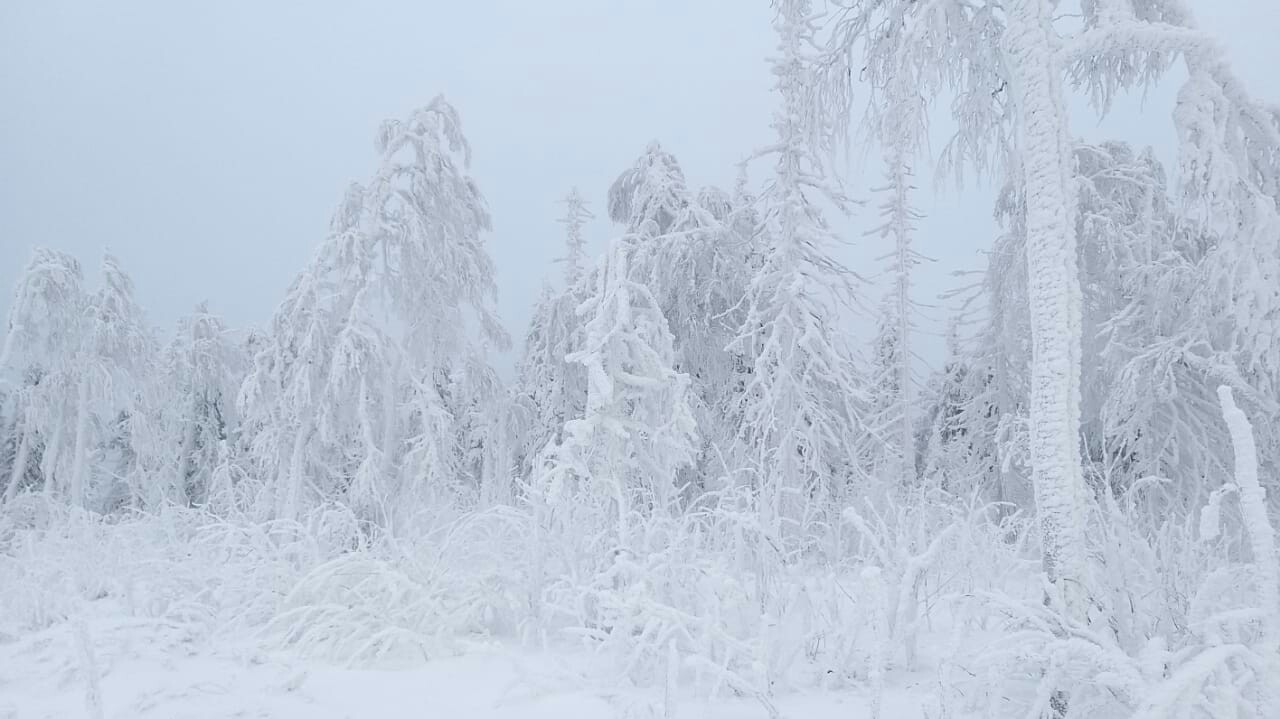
[{"x": 151, "y": 669}]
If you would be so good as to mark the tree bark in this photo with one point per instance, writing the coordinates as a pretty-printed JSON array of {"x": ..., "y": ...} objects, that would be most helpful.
[{"x": 1036, "y": 75}]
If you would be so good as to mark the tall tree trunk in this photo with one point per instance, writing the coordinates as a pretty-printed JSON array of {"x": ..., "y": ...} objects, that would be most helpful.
[
  {"x": 390, "y": 436},
  {"x": 288, "y": 508},
  {"x": 1054, "y": 294},
  {"x": 1253, "y": 508},
  {"x": 20, "y": 460},
  {"x": 184, "y": 458},
  {"x": 902, "y": 245},
  {"x": 79, "y": 459},
  {"x": 49, "y": 462}
]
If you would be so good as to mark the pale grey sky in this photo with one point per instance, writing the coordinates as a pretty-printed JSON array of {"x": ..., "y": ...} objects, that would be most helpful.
[{"x": 207, "y": 143}]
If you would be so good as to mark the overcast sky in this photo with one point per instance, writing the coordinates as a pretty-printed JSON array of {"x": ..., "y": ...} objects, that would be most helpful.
[{"x": 206, "y": 143}]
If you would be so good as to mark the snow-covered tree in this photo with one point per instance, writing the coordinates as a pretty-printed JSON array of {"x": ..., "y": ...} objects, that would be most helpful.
[
  {"x": 120, "y": 362},
  {"x": 798, "y": 416},
  {"x": 550, "y": 389},
  {"x": 278, "y": 397},
  {"x": 888, "y": 447},
  {"x": 891, "y": 420},
  {"x": 203, "y": 367},
  {"x": 691, "y": 252},
  {"x": 547, "y": 393},
  {"x": 39, "y": 361},
  {"x": 649, "y": 197},
  {"x": 80, "y": 362},
  {"x": 638, "y": 428},
  {"x": 956, "y": 444},
  {"x": 1136, "y": 258},
  {"x": 1008, "y": 77},
  {"x": 1124, "y": 224},
  {"x": 576, "y": 216},
  {"x": 1154, "y": 347},
  {"x": 23, "y": 449},
  {"x": 428, "y": 212},
  {"x": 1006, "y": 66},
  {"x": 717, "y": 286},
  {"x": 378, "y": 348},
  {"x": 891, "y": 423}
]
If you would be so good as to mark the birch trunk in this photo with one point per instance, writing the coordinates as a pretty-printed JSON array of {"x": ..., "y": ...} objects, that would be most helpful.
[{"x": 1036, "y": 73}]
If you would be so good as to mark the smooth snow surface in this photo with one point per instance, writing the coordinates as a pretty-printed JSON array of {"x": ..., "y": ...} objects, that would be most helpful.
[{"x": 151, "y": 669}]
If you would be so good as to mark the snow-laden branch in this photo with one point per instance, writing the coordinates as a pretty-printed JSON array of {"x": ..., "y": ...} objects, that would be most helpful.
[
  {"x": 1253, "y": 505},
  {"x": 1136, "y": 37}
]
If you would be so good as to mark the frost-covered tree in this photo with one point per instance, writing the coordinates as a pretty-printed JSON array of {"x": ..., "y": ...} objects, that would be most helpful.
[
  {"x": 202, "y": 370},
  {"x": 10, "y": 430},
  {"x": 81, "y": 361},
  {"x": 638, "y": 428},
  {"x": 1124, "y": 224},
  {"x": 40, "y": 361},
  {"x": 691, "y": 252},
  {"x": 1007, "y": 66},
  {"x": 377, "y": 352},
  {"x": 650, "y": 197},
  {"x": 891, "y": 424},
  {"x": 1166, "y": 334},
  {"x": 956, "y": 441},
  {"x": 1154, "y": 348},
  {"x": 888, "y": 447},
  {"x": 1008, "y": 79},
  {"x": 1138, "y": 263},
  {"x": 278, "y": 397},
  {"x": 721, "y": 262},
  {"x": 550, "y": 389},
  {"x": 427, "y": 211},
  {"x": 121, "y": 358},
  {"x": 679, "y": 251},
  {"x": 576, "y": 216},
  {"x": 798, "y": 417},
  {"x": 891, "y": 420}
]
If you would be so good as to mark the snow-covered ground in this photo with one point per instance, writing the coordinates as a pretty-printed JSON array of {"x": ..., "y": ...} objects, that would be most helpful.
[
  {"x": 156, "y": 669},
  {"x": 182, "y": 614}
]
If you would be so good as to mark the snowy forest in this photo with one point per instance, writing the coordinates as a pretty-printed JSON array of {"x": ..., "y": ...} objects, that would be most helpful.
[{"x": 705, "y": 491}]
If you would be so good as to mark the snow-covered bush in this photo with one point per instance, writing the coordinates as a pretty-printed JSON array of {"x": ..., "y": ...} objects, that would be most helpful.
[
  {"x": 1182, "y": 625},
  {"x": 398, "y": 600}
]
